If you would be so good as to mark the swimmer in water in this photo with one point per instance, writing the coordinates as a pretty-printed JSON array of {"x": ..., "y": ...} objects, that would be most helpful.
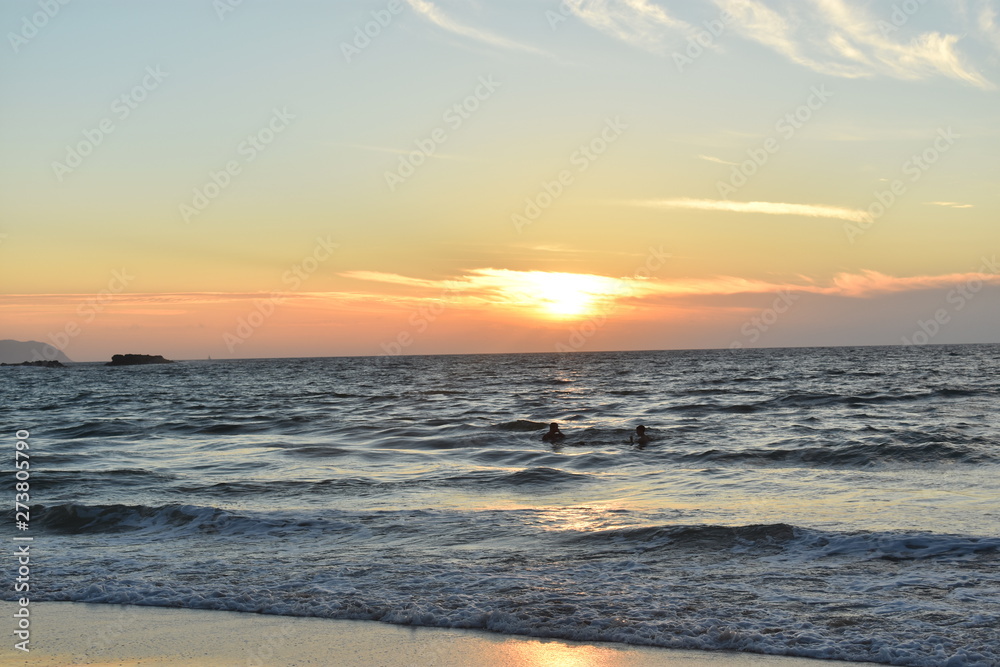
[
  {"x": 640, "y": 438},
  {"x": 554, "y": 434}
]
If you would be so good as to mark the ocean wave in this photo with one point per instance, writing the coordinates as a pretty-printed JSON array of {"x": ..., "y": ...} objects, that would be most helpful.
[
  {"x": 793, "y": 542},
  {"x": 805, "y": 400},
  {"x": 139, "y": 478},
  {"x": 75, "y": 519},
  {"x": 536, "y": 476},
  {"x": 352, "y": 486},
  {"x": 707, "y": 537},
  {"x": 99, "y": 429},
  {"x": 315, "y": 451},
  {"x": 853, "y": 454},
  {"x": 521, "y": 425}
]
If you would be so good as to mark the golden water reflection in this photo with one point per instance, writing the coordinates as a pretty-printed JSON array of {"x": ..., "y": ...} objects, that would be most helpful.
[{"x": 583, "y": 519}]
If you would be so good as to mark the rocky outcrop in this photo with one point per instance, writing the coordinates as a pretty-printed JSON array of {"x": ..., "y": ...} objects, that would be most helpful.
[
  {"x": 137, "y": 360},
  {"x": 39, "y": 364}
]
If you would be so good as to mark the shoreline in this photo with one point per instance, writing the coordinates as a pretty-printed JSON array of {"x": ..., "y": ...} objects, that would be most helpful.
[{"x": 110, "y": 634}]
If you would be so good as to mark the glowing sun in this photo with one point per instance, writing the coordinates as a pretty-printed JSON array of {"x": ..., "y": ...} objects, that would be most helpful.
[{"x": 571, "y": 295}]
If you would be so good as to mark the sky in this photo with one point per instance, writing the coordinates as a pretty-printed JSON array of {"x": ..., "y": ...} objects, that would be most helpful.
[{"x": 257, "y": 178}]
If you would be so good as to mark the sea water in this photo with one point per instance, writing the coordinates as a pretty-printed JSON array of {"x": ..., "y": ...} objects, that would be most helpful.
[{"x": 835, "y": 503}]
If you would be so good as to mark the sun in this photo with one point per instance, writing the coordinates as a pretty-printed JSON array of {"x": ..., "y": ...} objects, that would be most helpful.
[
  {"x": 551, "y": 295},
  {"x": 569, "y": 295}
]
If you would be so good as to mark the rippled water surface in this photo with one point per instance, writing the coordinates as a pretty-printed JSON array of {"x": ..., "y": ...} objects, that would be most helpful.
[{"x": 816, "y": 502}]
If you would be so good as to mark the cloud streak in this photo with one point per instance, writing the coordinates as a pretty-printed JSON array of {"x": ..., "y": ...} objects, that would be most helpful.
[
  {"x": 762, "y": 207},
  {"x": 834, "y": 37},
  {"x": 435, "y": 15},
  {"x": 640, "y": 23},
  {"x": 398, "y": 151},
  {"x": 709, "y": 158},
  {"x": 503, "y": 286},
  {"x": 949, "y": 204}
]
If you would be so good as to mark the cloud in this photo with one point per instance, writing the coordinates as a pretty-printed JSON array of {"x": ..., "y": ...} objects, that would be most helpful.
[
  {"x": 835, "y": 37},
  {"x": 392, "y": 278},
  {"x": 398, "y": 151},
  {"x": 870, "y": 283},
  {"x": 506, "y": 287},
  {"x": 844, "y": 39},
  {"x": 545, "y": 294},
  {"x": 718, "y": 160},
  {"x": 433, "y": 13},
  {"x": 767, "y": 208},
  {"x": 986, "y": 23},
  {"x": 641, "y": 23},
  {"x": 948, "y": 204}
]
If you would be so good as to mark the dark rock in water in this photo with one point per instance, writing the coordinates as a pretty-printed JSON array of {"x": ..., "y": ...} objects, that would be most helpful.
[
  {"x": 39, "y": 364},
  {"x": 137, "y": 360}
]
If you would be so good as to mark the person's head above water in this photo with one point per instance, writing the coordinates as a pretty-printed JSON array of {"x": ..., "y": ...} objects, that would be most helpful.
[
  {"x": 640, "y": 436},
  {"x": 554, "y": 434}
]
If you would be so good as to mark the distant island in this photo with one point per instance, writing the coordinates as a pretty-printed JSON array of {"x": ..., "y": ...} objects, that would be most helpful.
[
  {"x": 16, "y": 351},
  {"x": 39, "y": 364},
  {"x": 137, "y": 360}
]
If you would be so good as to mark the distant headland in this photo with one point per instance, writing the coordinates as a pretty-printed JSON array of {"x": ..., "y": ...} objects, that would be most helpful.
[
  {"x": 137, "y": 360},
  {"x": 16, "y": 351}
]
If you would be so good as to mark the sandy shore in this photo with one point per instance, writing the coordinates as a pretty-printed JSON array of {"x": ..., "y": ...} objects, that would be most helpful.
[{"x": 65, "y": 633}]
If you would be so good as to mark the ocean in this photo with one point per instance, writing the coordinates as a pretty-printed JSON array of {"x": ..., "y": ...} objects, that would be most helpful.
[{"x": 834, "y": 503}]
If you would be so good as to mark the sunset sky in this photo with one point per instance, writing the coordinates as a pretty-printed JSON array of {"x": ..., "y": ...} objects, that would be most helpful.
[{"x": 265, "y": 179}]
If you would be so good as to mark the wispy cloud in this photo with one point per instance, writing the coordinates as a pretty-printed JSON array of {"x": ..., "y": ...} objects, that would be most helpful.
[
  {"x": 547, "y": 294},
  {"x": 844, "y": 39},
  {"x": 435, "y": 15},
  {"x": 871, "y": 283},
  {"x": 764, "y": 207},
  {"x": 839, "y": 38},
  {"x": 518, "y": 288},
  {"x": 709, "y": 158},
  {"x": 641, "y": 23},
  {"x": 400, "y": 151},
  {"x": 392, "y": 278},
  {"x": 986, "y": 22},
  {"x": 948, "y": 204}
]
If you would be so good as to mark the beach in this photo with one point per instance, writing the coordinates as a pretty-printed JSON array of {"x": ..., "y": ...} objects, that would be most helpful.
[{"x": 92, "y": 634}]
